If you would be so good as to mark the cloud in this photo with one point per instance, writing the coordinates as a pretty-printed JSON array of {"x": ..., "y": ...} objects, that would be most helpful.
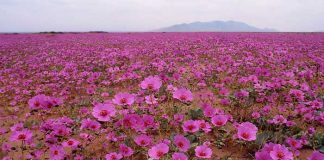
[{"x": 141, "y": 15}]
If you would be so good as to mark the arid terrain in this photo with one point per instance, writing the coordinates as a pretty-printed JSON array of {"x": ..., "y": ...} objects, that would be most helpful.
[{"x": 180, "y": 96}]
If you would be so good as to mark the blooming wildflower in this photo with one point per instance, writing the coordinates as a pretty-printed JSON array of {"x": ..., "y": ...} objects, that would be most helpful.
[
  {"x": 17, "y": 127},
  {"x": 57, "y": 153},
  {"x": 151, "y": 83},
  {"x": 183, "y": 95},
  {"x": 294, "y": 143},
  {"x": 316, "y": 155},
  {"x": 209, "y": 111},
  {"x": 256, "y": 115},
  {"x": 311, "y": 130},
  {"x": 158, "y": 151},
  {"x": 203, "y": 125},
  {"x": 182, "y": 143},
  {"x": 178, "y": 117},
  {"x": 280, "y": 152},
  {"x": 241, "y": 94},
  {"x": 143, "y": 140},
  {"x": 71, "y": 143},
  {"x": 37, "y": 102},
  {"x": 262, "y": 155},
  {"x": 125, "y": 150},
  {"x": 297, "y": 93},
  {"x": 6, "y": 147},
  {"x": 171, "y": 88},
  {"x": 148, "y": 121},
  {"x": 103, "y": 112},
  {"x": 151, "y": 99},
  {"x": 219, "y": 120},
  {"x": 90, "y": 124},
  {"x": 104, "y": 94},
  {"x": 247, "y": 131},
  {"x": 78, "y": 157},
  {"x": 190, "y": 126},
  {"x": 43, "y": 102},
  {"x": 203, "y": 151},
  {"x": 85, "y": 136},
  {"x": 114, "y": 156},
  {"x": 279, "y": 119},
  {"x": 316, "y": 104},
  {"x": 179, "y": 156},
  {"x": 23, "y": 135},
  {"x": 272, "y": 151},
  {"x": 124, "y": 99}
]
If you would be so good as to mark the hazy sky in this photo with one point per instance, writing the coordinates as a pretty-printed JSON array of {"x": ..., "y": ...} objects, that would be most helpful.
[{"x": 141, "y": 15}]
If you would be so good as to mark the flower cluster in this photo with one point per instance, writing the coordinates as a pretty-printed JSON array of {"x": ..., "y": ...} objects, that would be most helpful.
[{"x": 176, "y": 96}]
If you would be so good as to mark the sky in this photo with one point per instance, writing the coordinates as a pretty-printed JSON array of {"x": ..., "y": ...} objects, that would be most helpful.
[{"x": 146, "y": 15}]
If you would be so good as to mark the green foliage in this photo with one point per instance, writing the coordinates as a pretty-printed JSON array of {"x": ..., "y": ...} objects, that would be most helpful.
[
  {"x": 164, "y": 124},
  {"x": 262, "y": 138},
  {"x": 195, "y": 114},
  {"x": 317, "y": 141}
]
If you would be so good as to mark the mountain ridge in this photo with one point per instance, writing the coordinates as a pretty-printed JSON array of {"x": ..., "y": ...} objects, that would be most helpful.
[{"x": 214, "y": 26}]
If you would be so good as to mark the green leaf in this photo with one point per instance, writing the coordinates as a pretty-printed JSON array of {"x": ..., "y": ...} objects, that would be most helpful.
[
  {"x": 321, "y": 149},
  {"x": 196, "y": 114}
]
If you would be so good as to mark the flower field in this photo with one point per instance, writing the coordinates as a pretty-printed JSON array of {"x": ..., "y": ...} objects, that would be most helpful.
[{"x": 178, "y": 96}]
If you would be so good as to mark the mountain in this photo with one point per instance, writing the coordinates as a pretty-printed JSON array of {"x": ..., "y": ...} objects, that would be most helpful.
[{"x": 214, "y": 26}]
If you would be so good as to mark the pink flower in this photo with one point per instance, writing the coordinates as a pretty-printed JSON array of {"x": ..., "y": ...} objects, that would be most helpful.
[
  {"x": 71, "y": 143},
  {"x": 209, "y": 111},
  {"x": 273, "y": 151},
  {"x": 190, "y": 126},
  {"x": 114, "y": 156},
  {"x": 178, "y": 117},
  {"x": 297, "y": 93},
  {"x": 37, "y": 102},
  {"x": 294, "y": 143},
  {"x": 256, "y": 115},
  {"x": 105, "y": 94},
  {"x": 90, "y": 124},
  {"x": 179, "y": 156},
  {"x": 85, "y": 136},
  {"x": 23, "y": 135},
  {"x": 78, "y": 157},
  {"x": 151, "y": 83},
  {"x": 203, "y": 125},
  {"x": 241, "y": 94},
  {"x": 61, "y": 130},
  {"x": 278, "y": 119},
  {"x": 203, "y": 151},
  {"x": 219, "y": 120},
  {"x": 17, "y": 127},
  {"x": 103, "y": 112},
  {"x": 111, "y": 136},
  {"x": 133, "y": 121},
  {"x": 183, "y": 95},
  {"x": 316, "y": 104},
  {"x": 311, "y": 130},
  {"x": 316, "y": 155},
  {"x": 124, "y": 99},
  {"x": 125, "y": 150},
  {"x": 57, "y": 153},
  {"x": 158, "y": 151},
  {"x": 280, "y": 152},
  {"x": 43, "y": 102},
  {"x": 182, "y": 143},
  {"x": 171, "y": 88},
  {"x": 151, "y": 99},
  {"x": 143, "y": 140},
  {"x": 247, "y": 131},
  {"x": 148, "y": 121},
  {"x": 262, "y": 155}
]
